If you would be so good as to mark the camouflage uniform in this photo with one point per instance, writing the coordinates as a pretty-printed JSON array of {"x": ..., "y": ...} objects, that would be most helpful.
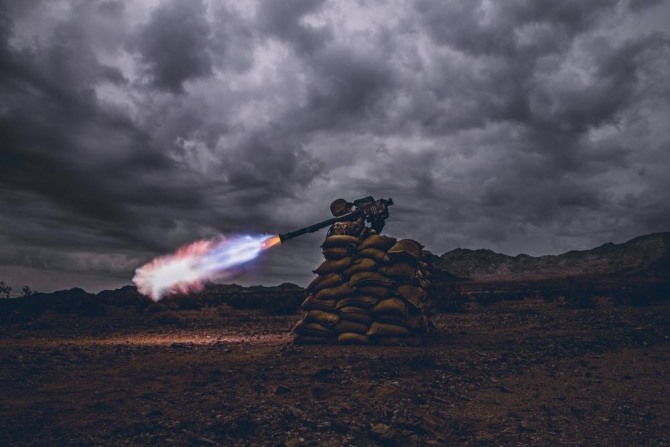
[{"x": 354, "y": 227}]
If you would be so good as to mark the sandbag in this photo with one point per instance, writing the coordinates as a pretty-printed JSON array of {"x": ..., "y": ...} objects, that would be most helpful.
[
  {"x": 378, "y": 329},
  {"x": 340, "y": 240},
  {"x": 424, "y": 283},
  {"x": 427, "y": 256},
  {"x": 349, "y": 338},
  {"x": 321, "y": 317},
  {"x": 303, "y": 339},
  {"x": 377, "y": 292},
  {"x": 336, "y": 253},
  {"x": 312, "y": 303},
  {"x": 360, "y": 265},
  {"x": 332, "y": 266},
  {"x": 391, "y": 306},
  {"x": 364, "y": 301},
  {"x": 413, "y": 341},
  {"x": 424, "y": 272},
  {"x": 351, "y": 326},
  {"x": 401, "y": 270},
  {"x": 367, "y": 232},
  {"x": 413, "y": 294},
  {"x": 306, "y": 328},
  {"x": 370, "y": 279},
  {"x": 408, "y": 250},
  {"x": 379, "y": 242},
  {"x": 373, "y": 253},
  {"x": 414, "y": 322},
  {"x": 355, "y": 314},
  {"x": 326, "y": 281},
  {"x": 335, "y": 292}
]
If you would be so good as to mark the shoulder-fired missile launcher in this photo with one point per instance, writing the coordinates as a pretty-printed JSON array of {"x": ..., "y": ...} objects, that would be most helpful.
[{"x": 368, "y": 209}]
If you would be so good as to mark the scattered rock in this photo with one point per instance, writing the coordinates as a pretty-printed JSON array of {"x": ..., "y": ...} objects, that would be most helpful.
[{"x": 280, "y": 390}]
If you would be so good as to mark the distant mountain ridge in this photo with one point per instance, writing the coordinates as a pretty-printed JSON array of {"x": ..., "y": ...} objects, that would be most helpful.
[{"x": 647, "y": 255}]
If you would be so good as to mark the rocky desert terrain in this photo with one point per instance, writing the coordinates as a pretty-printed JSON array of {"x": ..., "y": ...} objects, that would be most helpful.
[{"x": 527, "y": 372}]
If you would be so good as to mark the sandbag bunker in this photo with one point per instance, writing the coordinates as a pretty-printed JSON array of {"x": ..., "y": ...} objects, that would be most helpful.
[{"x": 371, "y": 289}]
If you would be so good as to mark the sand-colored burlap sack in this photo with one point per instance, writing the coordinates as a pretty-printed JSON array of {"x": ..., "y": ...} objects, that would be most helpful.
[
  {"x": 391, "y": 306},
  {"x": 377, "y": 292},
  {"x": 379, "y": 242},
  {"x": 322, "y": 317},
  {"x": 312, "y": 303},
  {"x": 422, "y": 282},
  {"x": 317, "y": 329},
  {"x": 325, "y": 281},
  {"x": 402, "y": 271},
  {"x": 335, "y": 292},
  {"x": 364, "y": 301},
  {"x": 379, "y": 256},
  {"x": 336, "y": 253},
  {"x": 378, "y": 329},
  {"x": 333, "y": 266},
  {"x": 351, "y": 326},
  {"x": 413, "y": 294},
  {"x": 427, "y": 256},
  {"x": 340, "y": 241},
  {"x": 355, "y": 314},
  {"x": 424, "y": 275},
  {"x": 360, "y": 265},
  {"x": 350, "y": 338},
  {"x": 407, "y": 250},
  {"x": 370, "y": 279}
]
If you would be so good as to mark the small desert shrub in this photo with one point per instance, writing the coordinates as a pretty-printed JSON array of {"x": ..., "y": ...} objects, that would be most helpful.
[
  {"x": 224, "y": 310},
  {"x": 91, "y": 309},
  {"x": 154, "y": 309},
  {"x": 581, "y": 301},
  {"x": 183, "y": 302},
  {"x": 168, "y": 318}
]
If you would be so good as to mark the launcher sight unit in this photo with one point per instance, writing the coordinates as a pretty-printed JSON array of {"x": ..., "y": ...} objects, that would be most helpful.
[{"x": 372, "y": 211}]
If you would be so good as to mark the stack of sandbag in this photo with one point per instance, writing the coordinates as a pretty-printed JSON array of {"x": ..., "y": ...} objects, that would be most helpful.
[{"x": 370, "y": 289}]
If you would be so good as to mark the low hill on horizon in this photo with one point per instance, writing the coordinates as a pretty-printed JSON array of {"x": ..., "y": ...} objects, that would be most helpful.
[{"x": 643, "y": 256}]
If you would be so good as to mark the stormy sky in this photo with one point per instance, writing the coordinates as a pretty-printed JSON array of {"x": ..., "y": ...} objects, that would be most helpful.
[{"x": 128, "y": 128}]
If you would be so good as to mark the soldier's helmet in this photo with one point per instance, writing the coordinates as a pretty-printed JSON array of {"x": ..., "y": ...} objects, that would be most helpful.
[{"x": 339, "y": 207}]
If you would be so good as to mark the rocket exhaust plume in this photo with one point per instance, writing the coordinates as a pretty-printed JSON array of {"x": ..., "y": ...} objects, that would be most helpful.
[{"x": 193, "y": 265}]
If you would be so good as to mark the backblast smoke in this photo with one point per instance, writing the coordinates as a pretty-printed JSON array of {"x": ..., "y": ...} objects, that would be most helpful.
[{"x": 195, "y": 264}]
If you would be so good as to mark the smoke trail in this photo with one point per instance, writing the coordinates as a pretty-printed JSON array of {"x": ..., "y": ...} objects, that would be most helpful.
[{"x": 193, "y": 265}]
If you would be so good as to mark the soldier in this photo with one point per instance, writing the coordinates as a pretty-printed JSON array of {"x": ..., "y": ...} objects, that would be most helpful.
[{"x": 340, "y": 207}]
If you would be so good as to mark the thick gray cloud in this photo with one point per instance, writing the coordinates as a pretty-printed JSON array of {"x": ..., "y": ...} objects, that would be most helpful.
[
  {"x": 173, "y": 45},
  {"x": 128, "y": 128}
]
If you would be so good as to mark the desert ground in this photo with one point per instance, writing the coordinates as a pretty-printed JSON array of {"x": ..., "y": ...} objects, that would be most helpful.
[{"x": 522, "y": 373}]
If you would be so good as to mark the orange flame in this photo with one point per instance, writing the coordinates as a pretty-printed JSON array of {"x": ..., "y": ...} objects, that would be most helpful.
[{"x": 271, "y": 242}]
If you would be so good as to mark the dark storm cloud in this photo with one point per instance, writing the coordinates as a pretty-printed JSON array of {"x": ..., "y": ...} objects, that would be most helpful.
[
  {"x": 129, "y": 128},
  {"x": 174, "y": 44},
  {"x": 348, "y": 87},
  {"x": 283, "y": 21},
  {"x": 232, "y": 41},
  {"x": 272, "y": 162},
  {"x": 489, "y": 28},
  {"x": 69, "y": 162}
]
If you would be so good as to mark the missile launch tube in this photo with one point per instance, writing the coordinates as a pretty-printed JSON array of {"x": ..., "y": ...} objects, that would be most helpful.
[{"x": 316, "y": 227}]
